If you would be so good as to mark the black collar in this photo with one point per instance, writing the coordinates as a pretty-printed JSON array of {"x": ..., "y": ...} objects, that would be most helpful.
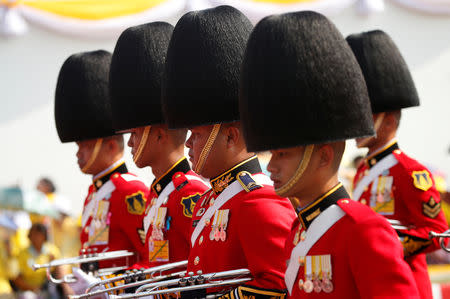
[
  {"x": 309, "y": 213},
  {"x": 121, "y": 168},
  {"x": 158, "y": 185},
  {"x": 376, "y": 157},
  {"x": 220, "y": 182}
]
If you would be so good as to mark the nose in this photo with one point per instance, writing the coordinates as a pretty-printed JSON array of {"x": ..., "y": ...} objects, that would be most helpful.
[
  {"x": 271, "y": 167},
  {"x": 189, "y": 142},
  {"x": 130, "y": 142}
]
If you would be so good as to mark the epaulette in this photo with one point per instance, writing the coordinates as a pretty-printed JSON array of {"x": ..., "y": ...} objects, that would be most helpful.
[
  {"x": 179, "y": 180},
  {"x": 247, "y": 182}
]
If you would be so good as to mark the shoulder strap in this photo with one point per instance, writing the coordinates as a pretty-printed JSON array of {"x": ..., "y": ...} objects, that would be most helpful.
[
  {"x": 318, "y": 227},
  {"x": 385, "y": 163},
  {"x": 233, "y": 189}
]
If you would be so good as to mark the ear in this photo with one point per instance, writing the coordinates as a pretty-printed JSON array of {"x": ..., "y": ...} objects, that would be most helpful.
[
  {"x": 111, "y": 145},
  {"x": 233, "y": 134},
  {"x": 326, "y": 156},
  {"x": 161, "y": 134}
]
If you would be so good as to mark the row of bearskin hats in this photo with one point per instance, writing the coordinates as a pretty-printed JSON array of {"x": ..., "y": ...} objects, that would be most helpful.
[{"x": 295, "y": 75}]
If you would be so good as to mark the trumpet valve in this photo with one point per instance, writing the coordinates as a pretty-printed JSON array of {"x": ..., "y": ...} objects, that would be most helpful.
[
  {"x": 182, "y": 282},
  {"x": 200, "y": 277},
  {"x": 191, "y": 279}
]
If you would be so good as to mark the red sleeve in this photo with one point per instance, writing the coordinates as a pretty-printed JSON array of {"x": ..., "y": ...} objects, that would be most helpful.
[
  {"x": 416, "y": 189},
  {"x": 130, "y": 213},
  {"x": 264, "y": 225},
  {"x": 385, "y": 274}
]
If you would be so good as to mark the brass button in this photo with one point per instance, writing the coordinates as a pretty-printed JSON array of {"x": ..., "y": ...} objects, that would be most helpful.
[
  {"x": 301, "y": 261},
  {"x": 373, "y": 161},
  {"x": 366, "y": 172},
  {"x": 200, "y": 241},
  {"x": 196, "y": 260},
  {"x": 397, "y": 151},
  {"x": 177, "y": 175},
  {"x": 158, "y": 187},
  {"x": 115, "y": 176},
  {"x": 363, "y": 201},
  {"x": 98, "y": 184},
  {"x": 344, "y": 201},
  {"x": 303, "y": 236}
]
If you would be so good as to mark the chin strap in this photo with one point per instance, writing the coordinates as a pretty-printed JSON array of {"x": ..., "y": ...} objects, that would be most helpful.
[
  {"x": 206, "y": 149},
  {"x": 98, "y": 145},
  {"x": 376, "y": 126},
  {"x": 142, "y": 143},
  {"x": 298, "y": 173}
]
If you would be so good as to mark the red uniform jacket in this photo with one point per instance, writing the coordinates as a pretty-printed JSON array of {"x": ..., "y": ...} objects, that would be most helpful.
[
  {"x": 175, "y": 215},
  {"x": 113, "y": 213},
  {"x": 365, "y": 256},
  {"x": 255, "y": 223},
  {"x": 405, "y": 192}
]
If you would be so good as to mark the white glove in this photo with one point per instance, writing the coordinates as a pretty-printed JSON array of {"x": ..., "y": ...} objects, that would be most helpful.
[{"x": 84, "y": 280}]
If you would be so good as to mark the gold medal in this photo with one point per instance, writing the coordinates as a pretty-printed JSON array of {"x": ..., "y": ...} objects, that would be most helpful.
[
  {"x": 317, "y": 285},
  {"x": 327, "y": 285},
  {"x": 308, "y": 286}
]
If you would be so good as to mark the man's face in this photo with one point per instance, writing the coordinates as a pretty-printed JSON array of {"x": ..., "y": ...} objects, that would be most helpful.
[
  {"x": 196, "y": 143},
  {"x": 134, "y": 142},
  {"x": 283, "y": 164},
  {"x": 85, "y": 150}
]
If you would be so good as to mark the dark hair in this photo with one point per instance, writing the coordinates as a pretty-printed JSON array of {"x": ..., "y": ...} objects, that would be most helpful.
[
  {"x": 40, "y": 228},
  {"x": 48, "y": 183}
]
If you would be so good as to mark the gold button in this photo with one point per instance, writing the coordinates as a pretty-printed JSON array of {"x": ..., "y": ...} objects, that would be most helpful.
[
  {"x": 363, "y": 201},
  {"x": 98, "y": 184},
  {"x": 158, "y": 187},
  {"x": 344, "y": 201},
  {"x": 301, "y": 261},
  {"x": 196, "y": 260},
  {"x": 303, "y": 236},
  {"x": 115, "y": 176},
  {"x": 200, "y": 241},
  {"x": 177, "y": 175},
  {"x": 373, "y": 161},
  {"x": 397, "y": 151},
  {"x": 366, "y": 172}
]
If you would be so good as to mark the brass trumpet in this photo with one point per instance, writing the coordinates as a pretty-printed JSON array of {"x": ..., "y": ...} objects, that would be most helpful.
[
  {"x": 133, "y": 279},
  {"x": 442, "y": 237},
  {"x": 87, "y": 256},
  {"x": 191, "y": 283}
]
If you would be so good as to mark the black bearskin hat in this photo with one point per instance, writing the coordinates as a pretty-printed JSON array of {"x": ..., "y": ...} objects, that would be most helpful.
[
  {"x": 135, "y": 77},
  {"x": 387, "y": 76},
  {"x": 301, "y": 85},
  {"x": 201, "y": 81},
  {"x": 82, "y": 103}
]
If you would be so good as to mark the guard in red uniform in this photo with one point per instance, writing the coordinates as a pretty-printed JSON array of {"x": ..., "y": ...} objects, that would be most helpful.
[
  {"x": 240, "y": 222},
  {"x": 390, "y": 182},
  {"x": 135, "y": 84},
  {"x": 115, "y": 206},
  {"x": 301, "y": 98}
]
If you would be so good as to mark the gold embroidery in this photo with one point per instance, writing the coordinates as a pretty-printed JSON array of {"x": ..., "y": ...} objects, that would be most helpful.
[{"x": 222, "y": 183}]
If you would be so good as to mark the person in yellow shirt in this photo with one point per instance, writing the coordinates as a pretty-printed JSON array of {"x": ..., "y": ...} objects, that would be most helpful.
[{"x": 32, "y": 284}]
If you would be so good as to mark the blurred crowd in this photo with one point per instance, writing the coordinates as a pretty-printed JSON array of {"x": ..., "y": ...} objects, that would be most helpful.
[{"x": 29, "y": 238}]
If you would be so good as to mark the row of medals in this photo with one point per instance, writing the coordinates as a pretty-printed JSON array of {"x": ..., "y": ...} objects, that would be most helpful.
[
  {"x": 320, "y": 278},
  {"x": 314, "y": 283},
  {"x": 218, "y": 228}
]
